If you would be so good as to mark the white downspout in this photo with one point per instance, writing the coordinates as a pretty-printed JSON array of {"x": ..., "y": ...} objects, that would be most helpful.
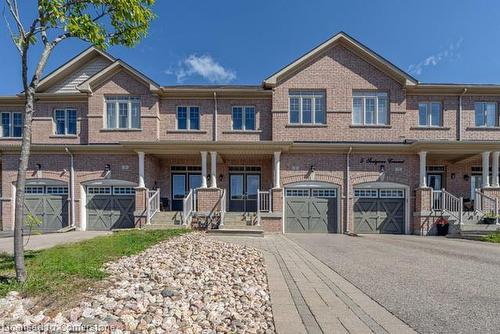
[
  {"x": 215, "y": 116},
  {"x": 347, "y": 192},
  {"x": 72, "y": 187},
  {"x": 460, "y": 114}
]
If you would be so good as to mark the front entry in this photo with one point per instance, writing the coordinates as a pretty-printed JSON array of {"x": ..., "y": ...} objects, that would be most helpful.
[
  {"x": 243, "y": 189},
  {"x": 182, "y": 183}
]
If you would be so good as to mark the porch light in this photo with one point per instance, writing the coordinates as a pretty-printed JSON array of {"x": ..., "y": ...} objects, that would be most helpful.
[
  {"x": 221, "y": 177},
  {"x": 382, "y": 169},
  {"x": 312, "y": 169},
  {"x": 107, "y": 168},
  {"x": 466, "y": 177},
  {"x": 38, "y": 167},
  {"x": 452, "y": 176}
]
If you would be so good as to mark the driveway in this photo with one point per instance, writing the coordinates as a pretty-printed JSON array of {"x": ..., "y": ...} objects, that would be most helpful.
[
  {"x": 435, "y": 285},
  {"x": 42, "y": 241}
]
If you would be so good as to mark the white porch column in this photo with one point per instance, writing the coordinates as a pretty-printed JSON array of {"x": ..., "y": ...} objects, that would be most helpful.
[
  {"x": 213, "y": 170},
  {"x": 494, "y": 169},
  {"x": 203, "y": 169},
  {"x": 486, "y": 169},
  {"x": 141, "y": 169},
  {"x": 276, "y": 170},
  {"x": 423, "y": 169}
]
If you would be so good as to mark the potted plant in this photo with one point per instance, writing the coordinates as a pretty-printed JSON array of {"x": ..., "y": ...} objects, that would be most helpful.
[
  {"x": 489, "y": 218},
  {"x": 442, "y": 226}
]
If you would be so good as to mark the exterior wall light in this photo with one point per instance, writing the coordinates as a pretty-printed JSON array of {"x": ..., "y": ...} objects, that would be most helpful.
[{"x": 466, "y": 177}]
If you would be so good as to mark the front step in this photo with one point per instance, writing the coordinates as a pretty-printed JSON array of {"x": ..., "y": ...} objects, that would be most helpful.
[
  {"x": 237, "y": 232},
  {"x": 165, "y": 220}
]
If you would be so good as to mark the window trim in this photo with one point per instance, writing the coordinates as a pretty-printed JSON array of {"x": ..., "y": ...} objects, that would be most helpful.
[
  {"x": 188, "y": 118},
  {"x": 243, "y": 118},
  {"x": 429, "y": 114},
  {"x": 11, "y": 124},
  {"x": 485, "y": 125},
  {"x": 66, "y": 121},
  {"x": 376, "y": 95},
  {"x": 117, "y": 99},
  {"x": 313, "y": 94}
]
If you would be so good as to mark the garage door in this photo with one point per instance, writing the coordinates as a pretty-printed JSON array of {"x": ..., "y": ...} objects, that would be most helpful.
[
  {"x": 49, "y": 204},
  {"x": 379, "y": 211},
  {"x": 311, "y": 210},
  {"x": 110, "y": 208}
]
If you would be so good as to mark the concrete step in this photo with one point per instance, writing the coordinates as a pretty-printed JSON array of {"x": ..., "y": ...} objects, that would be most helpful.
[
  {"x": 479, "y": 228},
  {"x": 167, "y": 217},
  {"x": 163, "y": 226},
  {"x": 238, "y": 232},
  {"x": 240, "y": 227}
]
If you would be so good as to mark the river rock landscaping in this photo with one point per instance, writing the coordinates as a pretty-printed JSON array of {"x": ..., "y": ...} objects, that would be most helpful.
[{"x": 188, "y": 284}]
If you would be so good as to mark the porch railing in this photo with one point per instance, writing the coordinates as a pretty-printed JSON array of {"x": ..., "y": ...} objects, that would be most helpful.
[
  {"x": 452, "y": 205},
  {"x": 153, "y": 205},
  {"x": 188, "y": 207},
  {"x": 485, "y": 204},
  {"x": 263, "y": 203},
  {"x": 437, "y": 200},
  {"x": 222, "y": 207}
]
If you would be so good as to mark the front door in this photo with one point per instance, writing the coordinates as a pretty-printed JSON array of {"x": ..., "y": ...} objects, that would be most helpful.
[
  {"x": 243, "y": 192},
  {"x": 182, "y": 183}
]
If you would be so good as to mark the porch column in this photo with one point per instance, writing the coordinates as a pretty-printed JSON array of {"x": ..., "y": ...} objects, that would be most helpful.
[
  {"x": 486, "y": 169},
  {"x": 494, "y": 169},
  {"x": 213, "y": 170},
  {"x": 203, "y": 169},
  {"x": 276, "y": 170},
  {"x": 423, "y": 169},
  {"x": 141, "y": 169}
]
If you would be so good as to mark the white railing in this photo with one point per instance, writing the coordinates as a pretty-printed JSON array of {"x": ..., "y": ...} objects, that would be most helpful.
[
  {"x": 153, "y": 205},
  {"x": 452, "y": 205},
  {"x": 485, "y": 204},
  {"x": 437, "y": 200},
  {"x": 263, "y": 203},
  {"x": 188, "y": 207},
  {"x": 222, "y": 207}
]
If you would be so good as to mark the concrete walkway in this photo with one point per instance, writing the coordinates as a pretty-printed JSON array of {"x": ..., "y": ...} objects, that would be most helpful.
[
  {"x": 42, "y": 241},
  {"x": 309, "y": 297}
]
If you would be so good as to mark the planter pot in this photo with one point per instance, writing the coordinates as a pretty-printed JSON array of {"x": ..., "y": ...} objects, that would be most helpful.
[
  {"x": 489, "y": 220},
  {"x": 442, "y": 229}
]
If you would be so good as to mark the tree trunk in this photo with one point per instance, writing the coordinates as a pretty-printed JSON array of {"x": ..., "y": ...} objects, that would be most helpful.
[{"x": 20, "y": 184}]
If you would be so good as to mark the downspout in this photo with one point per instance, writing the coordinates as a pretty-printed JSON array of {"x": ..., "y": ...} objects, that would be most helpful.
[
  {"x": 72, "y": 187},
  {"x": 347, "y": 192},
  {"x": 459, "y": 137},
  {"x": 215, "y": 117}
]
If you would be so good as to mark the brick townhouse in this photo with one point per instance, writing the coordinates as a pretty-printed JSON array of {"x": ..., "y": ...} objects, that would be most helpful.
[{"x": 340, "y": 140}]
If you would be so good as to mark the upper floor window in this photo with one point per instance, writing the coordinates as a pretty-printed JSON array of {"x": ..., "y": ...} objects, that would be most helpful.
[
  {"x": 123, "y": 112},
  {"x": 486, "y": 114},
  {"x": 65, "y": 121},
  {"x": 307, "y": 108},
  {"x": 369, "y": 108},
  {"x": 188, "y": 118},
  {"x": 244, "y": 118},
  {"x": 429, "y": 114},
  {"x": 12, "y": 124}
]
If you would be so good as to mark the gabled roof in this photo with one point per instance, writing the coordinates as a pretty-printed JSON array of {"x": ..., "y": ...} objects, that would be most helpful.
[
  {"x": 72, "y": 65},
  {"x": 354, "y": 45},
  {"x": 118, "y": 65}
]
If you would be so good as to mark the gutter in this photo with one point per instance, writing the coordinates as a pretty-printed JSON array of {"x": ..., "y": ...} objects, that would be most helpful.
[
  {"x": 215, "y": 116},
  {"x": 347, "y": 192},
  {"x": 72, "y": 187},
  {"x": 459, "y": 123}
]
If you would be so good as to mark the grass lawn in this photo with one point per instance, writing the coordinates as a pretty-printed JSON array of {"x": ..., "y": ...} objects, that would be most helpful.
[
  {"x": 59, "y": 273},
  {"x": 493, "y": 237}
]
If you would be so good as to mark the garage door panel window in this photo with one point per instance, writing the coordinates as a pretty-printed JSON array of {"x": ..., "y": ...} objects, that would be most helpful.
[
  {"x": 325, "y": 193},
  {"x": 34, "y": 190},
  {"x": 99, "y": 190},
  {"x": 366, "y": 193},
  {"x": 392, "y": 193},
  {"x": 56, "y": 190},
  {"x": 123, "y": 191},
  {"x": 297, "y": 192}
]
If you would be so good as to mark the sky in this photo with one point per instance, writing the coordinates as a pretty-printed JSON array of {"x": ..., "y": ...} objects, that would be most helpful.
[{"x": 243, "y": 42}]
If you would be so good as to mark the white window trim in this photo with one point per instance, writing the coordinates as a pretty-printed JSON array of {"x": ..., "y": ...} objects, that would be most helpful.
[
  {"x": 66, "y": 122},
  {"x": 429, "y": 114},
  {"x": 11, "y": 123},
  {"x": 485, "y": 125},
  {"x": 243, "y": 120},
  {"x": 117, "y": 100},
  {"x": 371, "y": 95},
  {"x": 306, "y": 94},
  {"x": 188, "y": 118}
]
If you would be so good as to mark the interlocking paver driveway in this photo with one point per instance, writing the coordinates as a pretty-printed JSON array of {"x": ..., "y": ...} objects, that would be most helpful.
[
  {"x": 309, "y": 297},
  {"x": 434, "y": 284}
]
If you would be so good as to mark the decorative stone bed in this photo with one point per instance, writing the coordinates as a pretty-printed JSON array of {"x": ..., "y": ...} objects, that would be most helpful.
[{"x": 188, "y": 284}]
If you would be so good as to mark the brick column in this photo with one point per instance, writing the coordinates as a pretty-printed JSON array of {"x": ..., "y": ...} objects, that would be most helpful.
[
  {"x": 207, "y": 199},
  {"x": 140, "y": 212},
  {"x": 422, "y": 217},
  {"x": 277, "y": 200}
]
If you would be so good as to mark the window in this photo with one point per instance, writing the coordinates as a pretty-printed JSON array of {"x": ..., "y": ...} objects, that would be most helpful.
[
  {"x": 65, "y": 121},
  {"x": 56, "y": 190},
  {"x": 307, "y": 108},
  {"x": 123, "y": 191},
  {"x": 429, "y": 114},
  {"x": 297, "y": 192},
  {"x": 370, "y": 108},
  {"x": 12, "y": 124},
  {"x": 244, "y": 118},
  {"x": 99, "y": 190},
  {"x": 188, "y": 118},
  {"x": 366, "y": 193},
  {"x": 392, "y": 193},
  {"x": 34, "y": 190},
  {"x": 324, "y": 193},
  {"x": 123, "y": 112},
  {"x": 486, "y": 114}
]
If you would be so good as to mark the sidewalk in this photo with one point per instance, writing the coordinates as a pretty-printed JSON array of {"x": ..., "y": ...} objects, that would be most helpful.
[{"x": 309, "y": 297}]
